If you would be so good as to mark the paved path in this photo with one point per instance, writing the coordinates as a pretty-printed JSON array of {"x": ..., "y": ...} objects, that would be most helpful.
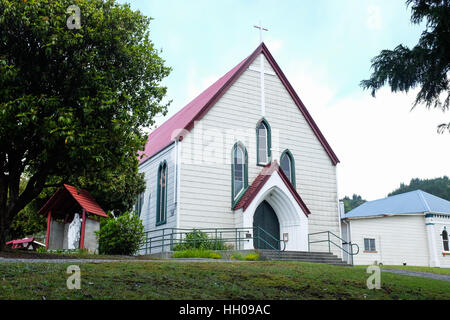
[
  {"x": 15, "y": 260},
  {"x": 419, "y": 274}
]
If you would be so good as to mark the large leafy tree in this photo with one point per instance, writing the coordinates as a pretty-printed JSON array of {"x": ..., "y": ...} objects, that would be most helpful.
[
  {"x": 426, "y": 65},
  {"x": 73, "y": 102}
]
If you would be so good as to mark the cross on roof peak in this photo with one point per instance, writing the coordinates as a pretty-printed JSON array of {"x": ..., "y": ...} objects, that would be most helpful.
[{"x": 261, "y": 29}]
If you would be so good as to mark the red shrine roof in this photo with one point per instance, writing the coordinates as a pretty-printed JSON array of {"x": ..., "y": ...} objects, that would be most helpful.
[
  {"x": 259, "y": 182},
  {"x": 82, "y": 197},
  {"x": 184, "y": 119}
]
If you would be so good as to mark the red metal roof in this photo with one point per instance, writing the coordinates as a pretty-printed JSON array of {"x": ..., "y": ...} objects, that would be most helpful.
[
  {"x": 82, "y": 197},
  {"x": 259, "y": 182},
  {"x": 184, "y": 119},
  {"x": 164, "y": 135}
]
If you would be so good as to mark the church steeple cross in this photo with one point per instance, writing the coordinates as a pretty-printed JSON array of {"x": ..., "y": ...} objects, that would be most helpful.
[{"x": 261, "y": 29}]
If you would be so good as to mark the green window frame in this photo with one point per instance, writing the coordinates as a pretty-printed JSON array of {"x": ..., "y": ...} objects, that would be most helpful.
[
  {"x": 139, "y": 204},
  {"x": 161, "y": 194},
  {"x": 263, "y": 142},
  {"x": 291, "y": 174},
  {"x": 239, "y": 172}
]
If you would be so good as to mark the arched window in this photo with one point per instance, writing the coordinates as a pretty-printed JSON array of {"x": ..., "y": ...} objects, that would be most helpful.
[
  {"x": 445, "y": 240},
  {"x": 139, "y": 204},
  {"x": 161, "y": 205},
  {"x": 263, "y": 142},
  {"x": 238, "y": 171},
  {"x": 287, "y": 164}
]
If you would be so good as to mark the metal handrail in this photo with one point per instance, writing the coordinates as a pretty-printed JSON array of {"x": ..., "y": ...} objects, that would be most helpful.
[
  {"x": 273, "y": 238},
  {"x": 174, "y": 236},
  {"x": 351, "y": 253}
]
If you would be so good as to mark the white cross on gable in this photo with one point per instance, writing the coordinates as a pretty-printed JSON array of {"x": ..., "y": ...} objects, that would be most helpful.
[{"x": 261, "y": 69}]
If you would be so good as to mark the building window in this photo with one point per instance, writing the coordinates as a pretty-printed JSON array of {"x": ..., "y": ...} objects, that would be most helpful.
[
  {"x": 263, "y": 142},
  {"x": 238, "y": 171},
  {"x": 287, "y": 164},
  {"x": 369, "y": 244},
  {"x": 161, "y": 205},
  {"x": 139, "y": 204},
  {"x": 445, "y": 240},
  {"x": 149, "y": 215}
]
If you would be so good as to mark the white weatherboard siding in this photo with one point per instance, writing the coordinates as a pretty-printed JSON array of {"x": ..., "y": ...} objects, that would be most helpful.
[
  {"x": 398, "y": 239},
  {"x": 205, "y": 187},
  {"x": 150, "y": 169}
]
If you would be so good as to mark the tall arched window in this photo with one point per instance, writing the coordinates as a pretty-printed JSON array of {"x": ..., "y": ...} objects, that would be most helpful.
[
  {"x": 239, "y": 173},
  {"x": 287, "y": 164},
  {"x": 263, "y": 142},
  {"x": 445, "y": 240},
  {"x": 139, "y": 204},
  {"x": 161, "y": 205}
]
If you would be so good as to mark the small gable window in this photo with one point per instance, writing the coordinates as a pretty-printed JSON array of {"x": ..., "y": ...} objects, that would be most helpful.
[
  {"x": 238, "y": 170},
  {"x": 369, "y": 245},
  {"x": 288, "y": 166},
  {"x": 161, "y": 205},
  {"x": 263, "y": 142},
  {"x": 445, "y": 240}
]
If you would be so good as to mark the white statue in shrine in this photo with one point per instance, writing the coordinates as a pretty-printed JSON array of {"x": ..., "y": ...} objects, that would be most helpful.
[{"x": 74, "y": 233}]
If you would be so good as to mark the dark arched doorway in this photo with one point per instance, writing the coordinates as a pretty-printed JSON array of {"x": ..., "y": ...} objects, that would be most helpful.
[{"x": 266, "y": 219}]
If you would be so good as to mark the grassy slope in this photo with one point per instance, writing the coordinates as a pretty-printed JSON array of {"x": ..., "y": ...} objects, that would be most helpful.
[{"x": 258, "y": 280}]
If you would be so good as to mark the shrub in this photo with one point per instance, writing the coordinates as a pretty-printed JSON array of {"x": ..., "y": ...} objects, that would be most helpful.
[
  {"x": 199, "y": 240},
  {"x": 123, "y": 235},
  {"x": 237, "y": 256},
  {"x": 196, "y": 253},
  {"x": 252, "y": 257},
  {"x": 249, "y": 257},
  {"x": 41, "y": 250}
]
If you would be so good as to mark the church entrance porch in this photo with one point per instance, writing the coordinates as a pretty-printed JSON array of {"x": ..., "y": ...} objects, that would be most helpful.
[
  {"x": 266, "y": 219},
  {"x": 272, "y": 203}
]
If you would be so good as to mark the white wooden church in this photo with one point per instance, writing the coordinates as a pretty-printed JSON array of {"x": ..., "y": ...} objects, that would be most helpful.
[{"x": 244, "y": 153}]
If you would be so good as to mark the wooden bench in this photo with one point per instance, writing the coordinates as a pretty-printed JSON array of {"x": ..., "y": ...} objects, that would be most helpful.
[{"x": 24, "y": 244}]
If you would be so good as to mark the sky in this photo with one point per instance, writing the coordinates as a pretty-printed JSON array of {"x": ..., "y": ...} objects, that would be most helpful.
[{"x": 324, "y": 48}]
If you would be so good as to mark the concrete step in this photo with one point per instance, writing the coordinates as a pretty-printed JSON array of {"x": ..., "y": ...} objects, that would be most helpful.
[
  {"x": 302, "y": 256},
  {"x": 296, "y": 252},
  {"x": 299, "y": 254}
]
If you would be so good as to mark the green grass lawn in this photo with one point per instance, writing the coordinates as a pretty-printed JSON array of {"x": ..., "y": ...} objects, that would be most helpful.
[
  {"x": 212, "y": 280},
  {"x": 28, "y": 254}
]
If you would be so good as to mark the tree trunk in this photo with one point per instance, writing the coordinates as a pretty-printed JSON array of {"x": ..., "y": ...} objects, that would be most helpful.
[{"x": 3, "y": 230}]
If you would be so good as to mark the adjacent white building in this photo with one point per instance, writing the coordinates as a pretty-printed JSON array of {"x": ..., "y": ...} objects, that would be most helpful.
[
  {"x": 410, "y": 228},
  {"x": 244, "y": 153}
]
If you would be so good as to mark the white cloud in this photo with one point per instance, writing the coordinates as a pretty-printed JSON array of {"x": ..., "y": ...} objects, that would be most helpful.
[
  {"x": 274, "y": 45},
  {"x": 373, "y": 17},
  {"x": 196, "y": 84},
  {"x": 381, "y": 143},
  {"x": 311, "y": 83}
]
